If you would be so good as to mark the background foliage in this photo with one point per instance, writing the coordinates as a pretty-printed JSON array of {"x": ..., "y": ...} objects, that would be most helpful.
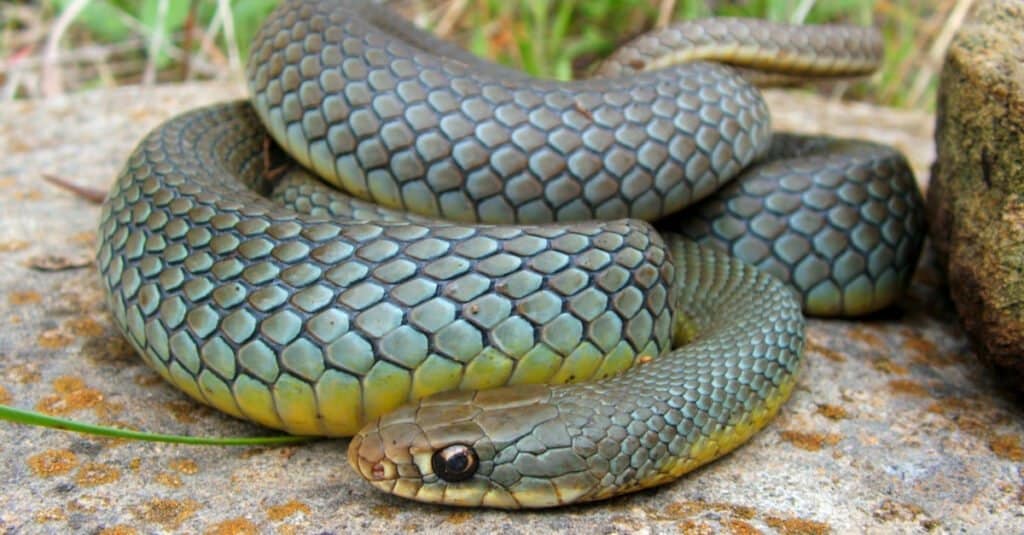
[{"x": 52, "y": 46}]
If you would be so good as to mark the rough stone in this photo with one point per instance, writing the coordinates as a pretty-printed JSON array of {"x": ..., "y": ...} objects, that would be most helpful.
[
  {"x": 976, "y": 201},
  {"x": 892, "y": 428}
]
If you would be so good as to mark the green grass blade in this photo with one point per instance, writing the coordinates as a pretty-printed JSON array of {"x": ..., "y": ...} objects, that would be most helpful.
[{"x": 20, "y": 416}]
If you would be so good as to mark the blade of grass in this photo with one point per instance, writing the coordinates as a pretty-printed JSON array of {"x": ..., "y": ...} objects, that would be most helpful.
[
  {"x": 802, "y": 10},
  {"x": 452, "y": 13},
  {"x": 156, "y": 39},
  {"x": 21, "y": 416},
  {"x": 234, "y": 56},
  {"x": 927, "y": 74}
]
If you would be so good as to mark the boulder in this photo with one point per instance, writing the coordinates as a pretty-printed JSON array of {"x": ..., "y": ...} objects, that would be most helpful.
[{"x": 976, "y": 198}]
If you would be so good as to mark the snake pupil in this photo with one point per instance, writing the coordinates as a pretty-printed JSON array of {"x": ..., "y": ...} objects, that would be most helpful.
[{"x": 454, "y": 463}]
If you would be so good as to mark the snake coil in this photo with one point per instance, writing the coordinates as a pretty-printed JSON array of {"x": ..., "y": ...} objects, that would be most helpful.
[{"x": 487, "y": 231}]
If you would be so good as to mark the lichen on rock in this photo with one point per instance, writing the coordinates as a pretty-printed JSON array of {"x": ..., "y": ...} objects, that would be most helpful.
[{"x": 976, "y": 197}]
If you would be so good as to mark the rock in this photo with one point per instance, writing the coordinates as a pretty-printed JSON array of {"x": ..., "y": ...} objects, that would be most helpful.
[
  {"x": 976, "y": 200},
  {"x": 892, "y": 427}
]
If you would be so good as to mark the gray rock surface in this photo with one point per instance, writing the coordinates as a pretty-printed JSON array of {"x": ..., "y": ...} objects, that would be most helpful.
[
  {"x": 976, "y": 205},
  {"x": 893, "y": 427}
]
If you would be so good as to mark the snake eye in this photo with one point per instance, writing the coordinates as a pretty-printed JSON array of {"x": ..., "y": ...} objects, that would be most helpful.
[{"x": 454, "y": 463}]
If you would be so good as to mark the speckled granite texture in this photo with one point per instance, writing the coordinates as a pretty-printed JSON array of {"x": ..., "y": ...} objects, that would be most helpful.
[{"x": 894, "y": 426}]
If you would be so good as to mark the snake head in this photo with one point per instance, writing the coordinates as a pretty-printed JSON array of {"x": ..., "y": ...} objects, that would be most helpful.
[{"x": 507, "y": 448}]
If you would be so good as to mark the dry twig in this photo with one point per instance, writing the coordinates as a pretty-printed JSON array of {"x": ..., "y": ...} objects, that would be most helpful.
[
  {"x": 92, "y": 195},
  {"x": 52, "y": 83},
  {"x": 665, "y": 10},
  {"x": 936, "y": 53}
]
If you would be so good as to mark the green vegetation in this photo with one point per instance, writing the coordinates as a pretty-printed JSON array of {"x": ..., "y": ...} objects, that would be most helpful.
[
  {"x": 549, "y": 38},
  {"x": 38, "y": 419},
  {"x": 163, "y": 40}
]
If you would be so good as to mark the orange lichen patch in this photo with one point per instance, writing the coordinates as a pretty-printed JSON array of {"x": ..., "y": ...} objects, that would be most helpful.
[
  {"x": 1007, "y": 447},
  {"x": 688, "y": 508},
  {"x": 71, "y": 395},
  {"x": 185, "y": 466},
  {"x": 54, "y": 514},
  {"x": 168, "y": 479},
  {"x": 86, "y": 237},
  {"x": 818, "y": 349},
  {"x": 387, "y": 512},
  {"x": 682, "y": 509},
  {"x": 67, "y": 384},
  {"x": 147, "y": 379},
  {"x": 867, "y": 337},
  {"x": 974, "y": 426},
  {"x": 922, "y": 350},
  {"x": 972, "y": 415},
  {"x": 53, "y": 462},
  {"x": 833, "y": 412},
  {"x": 11, "y": 246},
  {"x": 810, "y": 441},
  {"x": 249, "y": 453},
  {"x": 890, "y": 510},
  {"x": 184, "y": 411},
  {"x": 5, "y": 396},
  {"x": 135, "y": 464},
  {"x": 169, "y": 513},
  {"x": 28, "y": 195},
  {"x": 17, "y": 146},
  {"x": 460, "y": 517},
  {"x": 889, "y": 367},
  {"x": 53, "y": 339},
  {"x": 948, "y": 405},
  {"x": 24, "y": 373},
  {"x": 797, "y": 526},
  {"x": 95, "y": 474},
  {"x": 234, "y": 526},
  {"x": 83, "y": 326},
  {"x": 694, "y": 527},
  {"x": 277, "y": 513},
  {"x": 906, "y": 386},
  {"x": 739, "y": 527},
  {"x": 119, "y": 529},
  {"x": 287, "y": 452},
  {"x": 24, "y": 298}
]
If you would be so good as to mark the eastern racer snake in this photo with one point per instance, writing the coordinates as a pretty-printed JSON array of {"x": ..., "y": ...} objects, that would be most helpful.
[{"x": 319, "y": 314}]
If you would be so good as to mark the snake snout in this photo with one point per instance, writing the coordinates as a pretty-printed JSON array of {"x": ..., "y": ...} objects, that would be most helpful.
[{"x": 366, "y": 455}]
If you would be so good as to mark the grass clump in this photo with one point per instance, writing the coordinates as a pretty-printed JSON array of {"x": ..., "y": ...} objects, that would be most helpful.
[{"x": 53, "y": 46}]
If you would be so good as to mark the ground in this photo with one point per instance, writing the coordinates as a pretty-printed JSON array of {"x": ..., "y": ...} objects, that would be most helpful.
[{"x": 895, "y": 426}]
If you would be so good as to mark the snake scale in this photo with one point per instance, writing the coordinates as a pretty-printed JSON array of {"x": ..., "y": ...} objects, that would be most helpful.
[{"x": 491, "y": 233}]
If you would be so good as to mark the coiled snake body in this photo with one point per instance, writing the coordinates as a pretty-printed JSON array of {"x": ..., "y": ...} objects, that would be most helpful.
[{"x": 318, "y": 313}]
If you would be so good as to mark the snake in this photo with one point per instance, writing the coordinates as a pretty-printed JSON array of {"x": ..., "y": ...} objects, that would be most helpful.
[{"x": 510, "y": 292}]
